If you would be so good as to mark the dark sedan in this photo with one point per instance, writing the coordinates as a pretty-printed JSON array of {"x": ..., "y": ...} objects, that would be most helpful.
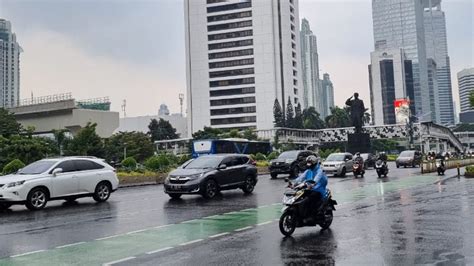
[
  {"x": 209, "y": 174},
  {"x": 289, "y": 162},
  {"x": 369, "y": 160}
]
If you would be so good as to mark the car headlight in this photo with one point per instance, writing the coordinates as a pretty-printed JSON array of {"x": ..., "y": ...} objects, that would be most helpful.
[
  {"x": 196, "y": 176},
  {"x": 15, "y": 184}
]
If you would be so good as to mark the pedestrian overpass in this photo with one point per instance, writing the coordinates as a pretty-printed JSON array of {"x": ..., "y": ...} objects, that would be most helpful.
[{"x": 427, "y": 135}]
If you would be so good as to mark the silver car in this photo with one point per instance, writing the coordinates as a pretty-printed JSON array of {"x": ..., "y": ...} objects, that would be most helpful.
[{"x": 338, "y": 164}]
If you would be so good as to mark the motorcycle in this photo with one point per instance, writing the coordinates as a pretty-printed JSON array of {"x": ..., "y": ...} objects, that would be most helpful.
[
  {"x": 358, "y": 169},
  {"x": 381, "y": 168},
  {"x": 440, "y": 167},
  {"x": 292, "y": 213}
]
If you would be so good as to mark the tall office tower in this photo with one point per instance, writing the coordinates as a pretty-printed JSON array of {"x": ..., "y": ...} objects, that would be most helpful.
[
  {"x": 328, "y": 95},
  {"x": 241, "y": 55},
  {"x": 390, "y": 78},
  {"x": 9, "y": 66},
  {"x": 466, "y": 87},
  {"x": 399, "y": 25},
  {"x": 312, "y": 92},
  {"x": 437, "y": 49}
]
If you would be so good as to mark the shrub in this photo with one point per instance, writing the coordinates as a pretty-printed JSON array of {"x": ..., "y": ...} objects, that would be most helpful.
[
  {"x": 470, "y": 169},
  {"x": 13, "y": 166},
  {"x": 273, "y": 155},
  {"x": 184, "y": 158},
  {"x": 129, "y": 163},
  {"x": 159, "y": 162},
  {"x": 260, "y": 157},
  {"x": 263, "y": 163},
  {"x": 392, "y": 157}
]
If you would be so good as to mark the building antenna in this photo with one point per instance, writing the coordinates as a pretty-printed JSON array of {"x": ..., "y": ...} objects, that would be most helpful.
[
  {"x": 124, "y": 106},
  {"x": 181, "y": 99}
]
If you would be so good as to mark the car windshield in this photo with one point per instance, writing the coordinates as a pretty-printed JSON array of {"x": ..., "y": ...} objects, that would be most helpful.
[
  {"x": 288, "y": 155},
  {"x": 407, "y": 154},
  {"x": 335, "y": 158},
  {"x": 35, "y": 168},
  {"x": 204, "y": 162}
]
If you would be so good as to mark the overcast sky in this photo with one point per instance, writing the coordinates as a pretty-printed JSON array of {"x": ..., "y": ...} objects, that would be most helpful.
[{"x": 134, "y": 49}]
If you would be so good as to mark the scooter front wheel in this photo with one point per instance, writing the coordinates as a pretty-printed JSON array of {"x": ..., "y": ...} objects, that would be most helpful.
[
  {"x": 287, "y": 223},
  {"x": 328, "y": 216}
]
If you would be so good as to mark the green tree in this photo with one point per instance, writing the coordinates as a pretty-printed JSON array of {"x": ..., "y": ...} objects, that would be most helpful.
[
  {"x": 136, "y": 144},
  {"x": 13, "y": 166},
  {"x": 298, "y": 121},
  {"x": 471, "y": 98},
  {"x": 278, "y": 116},
  {"x": 366, "y": 118},
  {"x": 339, "y": 117},
  {"x": 129, "y": 163},
  {"x": 233, "y": 133},
  {"x": 86, "y": 143},
  {"x": 25, "y": 149},
  {"x": 60, "y": 138},
  {"x": 290, "y": 114},
  {"x": 249, "y": 134},
  {"x": 8, "y": 124},
  {"x": 161, "y": 130},
  {"x": 312, "y": 119},
  {"x": 207, "y": 133},
  {"x": 384, "y": 145}
]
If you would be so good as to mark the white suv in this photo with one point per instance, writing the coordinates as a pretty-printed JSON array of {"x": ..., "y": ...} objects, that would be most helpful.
[{"x": 65, "y": 178}]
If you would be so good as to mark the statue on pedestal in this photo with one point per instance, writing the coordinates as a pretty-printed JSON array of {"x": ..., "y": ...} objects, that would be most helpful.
[{"x": 357, "y": 112}]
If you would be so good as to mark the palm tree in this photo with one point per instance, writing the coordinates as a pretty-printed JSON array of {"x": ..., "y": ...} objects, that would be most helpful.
[
  {"x": 312, "y": 119},
  {"x": 339, "y": 117}
]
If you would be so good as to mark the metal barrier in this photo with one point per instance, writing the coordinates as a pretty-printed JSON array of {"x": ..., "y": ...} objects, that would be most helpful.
[{"x": 430, "y": 166}]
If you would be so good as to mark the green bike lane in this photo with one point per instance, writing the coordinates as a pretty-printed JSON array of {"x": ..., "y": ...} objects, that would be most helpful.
[{"x": 153, "y": 240}]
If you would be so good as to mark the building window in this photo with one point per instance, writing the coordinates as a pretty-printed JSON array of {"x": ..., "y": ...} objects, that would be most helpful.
[
  {"x": 231, "y": 54},
  {"x": 292, "y": 27},
  {"x": 293, "y": 45},
  {"x": 233, "y": 120},
  {"x": 295, "y": 91},
  {"x": 295, "y": 73},
  {"x": 224, "y": 45},
  {"x": 293, "y": 36},
  {"x": 295, "y": 82},
  {"x": 227, "y": 26},
  {"x": 293, "y": 54},
  {"x": 294, "y": 64},
  {"x": 230, "y": 35},
  {"x": 231, "y": 82},
  {"x": 230, "y": 16},
  {"x": 217, "y": 93},
  {"x": 233, "y": 72},
  {"x": 233, "y": 111},
  {"x": 229, "y": 7},
  {"x": 231, "y": 63},
  {"x": 233, "y": 101}
]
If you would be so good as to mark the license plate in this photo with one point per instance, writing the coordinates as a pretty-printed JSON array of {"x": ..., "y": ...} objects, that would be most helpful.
[{"x": 174, "y": 187}]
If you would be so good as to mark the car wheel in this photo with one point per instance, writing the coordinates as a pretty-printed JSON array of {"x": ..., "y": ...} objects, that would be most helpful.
[
  {"x": 273, "y": 176},
  {"x": 5, "y": 206},
  {"x": 295, "y": 171},
  {"x": 175, "y": 196},
  {"x": 398, "y": 166},
  {"x": 343, "y": 172},
  {"x": 102, "y": 192},
  {"x": 249, "y": 185},
  {"x": 36, "y": 199},
  {"x": 210, "y": 189}
]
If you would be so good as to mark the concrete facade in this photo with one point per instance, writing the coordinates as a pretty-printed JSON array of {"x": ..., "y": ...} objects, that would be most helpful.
[
  {"x": 466, "y": 87},
  {"x": 241, "y": 55}
]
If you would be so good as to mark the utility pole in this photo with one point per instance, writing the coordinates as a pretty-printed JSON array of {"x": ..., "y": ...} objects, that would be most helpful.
[
  {"x": 124, "y": 106},
  {"x": 181, "y": 99}
]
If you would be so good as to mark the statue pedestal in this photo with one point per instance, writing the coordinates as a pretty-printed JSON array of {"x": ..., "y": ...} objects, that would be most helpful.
[{"x": 359, "y": 142}]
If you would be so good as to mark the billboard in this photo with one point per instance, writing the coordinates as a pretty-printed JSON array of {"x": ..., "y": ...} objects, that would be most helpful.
[{"x": 402, "y": 110}]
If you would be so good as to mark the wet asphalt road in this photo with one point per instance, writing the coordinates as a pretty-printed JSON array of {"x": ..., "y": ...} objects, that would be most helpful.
[{"x": 424, "y": 224}]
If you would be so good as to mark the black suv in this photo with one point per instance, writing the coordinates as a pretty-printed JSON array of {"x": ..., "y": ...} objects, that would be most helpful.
[
  {"x": 369, "y": 160},
  {"x": 289, "y": 162},
  {"x": 209, "y": 174}
]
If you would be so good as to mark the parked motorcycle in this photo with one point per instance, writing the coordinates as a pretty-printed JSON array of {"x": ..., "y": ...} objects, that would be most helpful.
[
  {"x": 440, "y": 167},
  {"x": 292, "y": 213},
  {"x": 358, "y": 169},
  {"x": 382, "y": 168}
]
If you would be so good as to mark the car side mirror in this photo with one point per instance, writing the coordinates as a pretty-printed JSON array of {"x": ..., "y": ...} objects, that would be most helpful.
[
  {"x": 57, "y": 171},
  {"x": 346, "y": 159},
  {"x": 222, "y": 167}
]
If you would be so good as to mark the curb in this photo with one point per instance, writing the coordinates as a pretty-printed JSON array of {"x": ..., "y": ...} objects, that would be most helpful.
[
  {"x": 445, "y": 179},
  {"x": 139, "y": 184}
]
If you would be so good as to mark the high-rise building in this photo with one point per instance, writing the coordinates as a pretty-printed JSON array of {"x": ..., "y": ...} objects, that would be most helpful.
[
  {"x": 241, "y": 55},
  {"x": 437, "y": 49},
  {"x": 327, "y": 95},
  {"x": 399, "y": 26},
  {"x": 390, "y": 78},
  {"x": 466, "y": 87},
  {"x": 9, "y": 66},
  {"x": 312, "y": 93}
]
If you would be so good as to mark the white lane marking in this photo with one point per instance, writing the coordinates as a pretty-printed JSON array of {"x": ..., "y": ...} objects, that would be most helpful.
[
  {"x": 242, "y": 229},
  {"x": 162, "y": 226},
  {"x": 118, "y": 261},
  {"x": 189, "y": 221},
  {"x": 260, "y": 224},
  {"x": 276, "y": 204},
  {"x": 191, "y": 242},
  {"x": 70, "y": 245},
  {"x": 159, "y": 250},
  {"x": 264, "y": 206},
  {"x": 218, "y": 235},
  {"x": 108, "y": 237},
  {"x": 27, "y": 253},
  {"x": 138, "y": 231},
  {"x": 212, "y": 216}
]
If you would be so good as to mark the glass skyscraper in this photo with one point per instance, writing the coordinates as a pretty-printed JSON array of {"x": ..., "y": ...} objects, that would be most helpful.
[
  {"x": 312, "y": 93},
  {"x": 9, "y": 66}
]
